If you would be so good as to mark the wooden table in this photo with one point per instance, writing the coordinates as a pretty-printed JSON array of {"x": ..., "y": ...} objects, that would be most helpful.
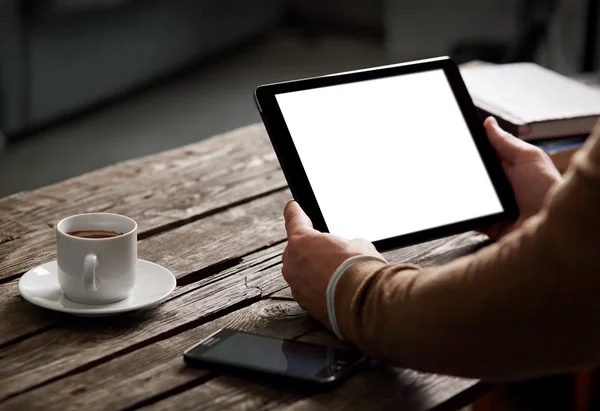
[{"x": 212, "y": 213}]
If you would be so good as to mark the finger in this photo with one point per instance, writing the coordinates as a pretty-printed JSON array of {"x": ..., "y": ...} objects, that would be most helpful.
[
  {"x": 506, "y": 145},
  {"x": 296, "y": 220}
]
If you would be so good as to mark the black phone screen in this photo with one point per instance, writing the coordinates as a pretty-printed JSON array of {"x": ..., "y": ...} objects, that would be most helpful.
[{"x": 278, "y": 356}]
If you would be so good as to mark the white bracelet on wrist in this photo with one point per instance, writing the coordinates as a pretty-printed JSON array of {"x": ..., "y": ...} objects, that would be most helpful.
[{"x": 330, "y": 293}]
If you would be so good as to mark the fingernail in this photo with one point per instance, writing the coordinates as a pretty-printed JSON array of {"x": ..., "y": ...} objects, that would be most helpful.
[{"x": 494, "y": 121}]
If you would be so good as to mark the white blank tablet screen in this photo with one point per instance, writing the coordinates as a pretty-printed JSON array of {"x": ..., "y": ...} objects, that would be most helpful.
[{"x": 389, "y": 156}]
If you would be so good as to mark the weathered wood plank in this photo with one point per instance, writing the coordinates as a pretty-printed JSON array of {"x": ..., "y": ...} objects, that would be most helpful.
[
  {"x": 438, "y": 252},
  {"x": 36, "y": 248},
  {"x": 155, "y": 175},
  {"x": 82, "y": 346},
  {"x": 18, "y": 318},
  {"x": 285, "y": 294},
  {"x": 384, "y": 388},
  {"x": 157, "y": 369},
  {"x": 229, "y": 393},
  {"x": 84, "y": 343},
  {"x": 399, "y": 388},
  {"x": 157, "y": 203},
  {"x": 198, "y": 249},
  {"x": 43, "y": 370},
  {"x": 195, "y": 247},
  {"x": 219, "y": 238},
  {"x": 380, "y": 387},
  {"x": 375, "y": 387},
  {"x": 24, "y": 319}
]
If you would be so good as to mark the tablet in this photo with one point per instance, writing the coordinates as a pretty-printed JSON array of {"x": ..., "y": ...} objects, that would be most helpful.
[{"x": 395, "y": 154}]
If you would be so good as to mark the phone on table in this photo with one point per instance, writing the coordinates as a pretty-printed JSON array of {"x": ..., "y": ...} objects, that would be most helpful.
[{"x": 242, "y": 352}]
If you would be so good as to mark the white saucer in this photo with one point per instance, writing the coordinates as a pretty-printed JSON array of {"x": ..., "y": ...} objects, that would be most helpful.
[{"x": 40, "y": 286}]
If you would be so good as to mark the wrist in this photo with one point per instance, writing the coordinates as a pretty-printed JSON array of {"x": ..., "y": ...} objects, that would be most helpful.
[{"x": 333, "y": 283}]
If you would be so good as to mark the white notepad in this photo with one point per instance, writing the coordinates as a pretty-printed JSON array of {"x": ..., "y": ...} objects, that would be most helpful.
[{"x": 531, "y": 101}]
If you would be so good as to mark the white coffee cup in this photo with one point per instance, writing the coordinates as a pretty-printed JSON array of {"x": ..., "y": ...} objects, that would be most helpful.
[{"x": 96, "y": 270}]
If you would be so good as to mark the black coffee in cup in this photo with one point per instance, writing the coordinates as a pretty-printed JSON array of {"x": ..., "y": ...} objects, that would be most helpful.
[{"x": 94, "y": 233}]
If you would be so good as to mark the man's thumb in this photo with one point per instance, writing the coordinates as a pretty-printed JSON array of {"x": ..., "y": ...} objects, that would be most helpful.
[
  {"x": 506, "y": 145},
  {"x": 295, "y": 218}
]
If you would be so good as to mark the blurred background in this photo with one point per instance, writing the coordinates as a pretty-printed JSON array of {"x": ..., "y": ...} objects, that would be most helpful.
[{"x": 88, "y": 83}]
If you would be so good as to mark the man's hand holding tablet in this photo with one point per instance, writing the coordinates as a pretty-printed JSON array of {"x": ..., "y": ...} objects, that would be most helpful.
[
  {"x": 392, "y": 155},
  {"x": 311, "y": 257},
  {"x": 530, "y": 172}
]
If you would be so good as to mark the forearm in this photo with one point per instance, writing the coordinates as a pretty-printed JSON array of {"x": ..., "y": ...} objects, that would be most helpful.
[
  {"x": 458, "y": 319},
  {"x": 522, "y": 307}
]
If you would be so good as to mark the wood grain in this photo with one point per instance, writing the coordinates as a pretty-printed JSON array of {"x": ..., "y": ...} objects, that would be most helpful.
[
  {"x": 197, "y": 250},
  {"x": 83, "y": 343},
  {"x": 375, "y": 387},
  {"x": 395, "y": 388},
  {"x": 438, "y": 252},
  {"x": 157, "y": 369},
  {"x": 229, "y": 393},
  {"x": 169, "y": 192},
  {"x": 80, "y": 347},
  {"x": 210, "y": 244},
  {"x": 221, "y": 237},
  {"x": 158, "y": 175},
  {"x": 39, "y": 247},
  {"x": 19, "y": 319}
]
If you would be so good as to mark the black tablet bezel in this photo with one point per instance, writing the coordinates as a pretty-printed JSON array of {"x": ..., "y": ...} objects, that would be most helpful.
[{"x": 298, "y": 181}]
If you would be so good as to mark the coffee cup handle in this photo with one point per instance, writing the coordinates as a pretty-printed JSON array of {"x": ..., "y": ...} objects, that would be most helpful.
[{"x": 89, "y": 272}]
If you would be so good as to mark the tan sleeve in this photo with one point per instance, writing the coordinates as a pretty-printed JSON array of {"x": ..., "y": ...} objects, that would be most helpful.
[{"x": 526, "y": 306}]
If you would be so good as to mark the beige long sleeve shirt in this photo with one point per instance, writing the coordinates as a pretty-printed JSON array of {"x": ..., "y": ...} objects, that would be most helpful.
[{"x": 525, "y": 306}]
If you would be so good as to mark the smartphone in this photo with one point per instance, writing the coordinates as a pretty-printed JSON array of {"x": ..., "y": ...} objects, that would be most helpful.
[{"x": 232, "y": 350}]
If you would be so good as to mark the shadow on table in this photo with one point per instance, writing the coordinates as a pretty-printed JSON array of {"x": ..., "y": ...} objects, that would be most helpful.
[{"x": 116, "y": 323}]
